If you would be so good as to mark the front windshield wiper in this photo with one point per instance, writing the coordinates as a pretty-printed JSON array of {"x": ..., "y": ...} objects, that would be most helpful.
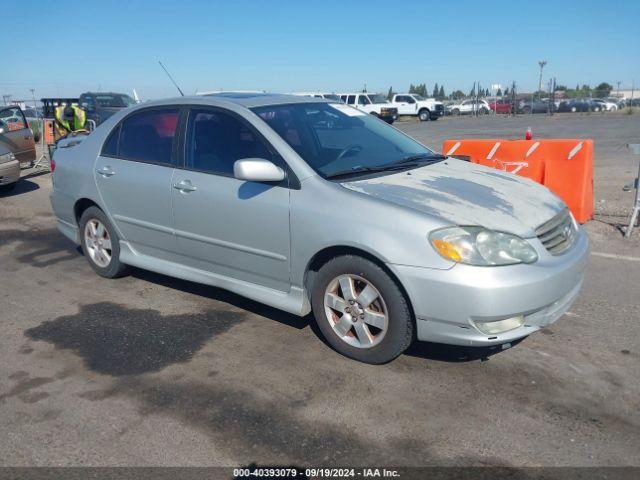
[
  {"x": 360, "y": 170},
  {"x": 411, "y": 161},
  {"x": 429, "y": 158}
]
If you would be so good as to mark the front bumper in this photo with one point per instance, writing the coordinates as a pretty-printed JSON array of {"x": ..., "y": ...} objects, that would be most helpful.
[
  {"x": 446, "y": 302},
  {"x": 9, "y": 172}
]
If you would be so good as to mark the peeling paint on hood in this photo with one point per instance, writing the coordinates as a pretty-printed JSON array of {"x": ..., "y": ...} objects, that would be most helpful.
[{"x": 464, "y": 193}]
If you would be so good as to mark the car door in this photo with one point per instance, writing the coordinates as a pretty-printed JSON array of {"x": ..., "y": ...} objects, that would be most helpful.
[
  {"x": 406, "y": 105},
  {"x": 230, "y": 227},
  {"x": 16, "y": 135},
  {"x": 133, "y": 174}
]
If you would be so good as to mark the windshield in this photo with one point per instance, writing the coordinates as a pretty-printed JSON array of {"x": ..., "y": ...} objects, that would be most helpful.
[
  {"x": 118, "y": 101},
  {"x": 334, "y": 138},
  {"x": 418, "y": 97},
  {"x": 377, "y": 98}
]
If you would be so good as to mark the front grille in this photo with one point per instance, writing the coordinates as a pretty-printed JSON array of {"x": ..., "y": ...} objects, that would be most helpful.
[
  {"x": 389, "y": 111},
  {"x": 558, "y": 234},
  {"x": 439, "y": 107}
]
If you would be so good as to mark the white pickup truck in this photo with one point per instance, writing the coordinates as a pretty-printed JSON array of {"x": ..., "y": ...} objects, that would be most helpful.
[
  {"x": 414, "y": 104},
  {"x": 373, "y": 103}
]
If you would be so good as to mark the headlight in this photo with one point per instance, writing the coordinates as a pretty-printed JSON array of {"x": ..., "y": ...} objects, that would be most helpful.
[
  {"x": 482, "y": 247},
  {"x": 7, "y": 157}
]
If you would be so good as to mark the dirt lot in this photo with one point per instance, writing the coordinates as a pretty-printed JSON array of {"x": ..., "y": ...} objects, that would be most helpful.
[{"x": 149, "y": 370}]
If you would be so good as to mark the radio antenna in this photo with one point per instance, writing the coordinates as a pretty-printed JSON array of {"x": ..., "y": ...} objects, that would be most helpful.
[{"x": 170, "y": 77}]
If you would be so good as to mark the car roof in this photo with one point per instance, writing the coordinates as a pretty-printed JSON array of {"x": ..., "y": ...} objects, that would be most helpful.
[{"x": 243, "y": 99}]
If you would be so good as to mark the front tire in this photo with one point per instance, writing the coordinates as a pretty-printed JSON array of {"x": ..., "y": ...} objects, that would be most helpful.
[
  {"x": 361, "y": 311},
  {"x": 424, "y": 115},
  {"x": 100, "y": 244}
]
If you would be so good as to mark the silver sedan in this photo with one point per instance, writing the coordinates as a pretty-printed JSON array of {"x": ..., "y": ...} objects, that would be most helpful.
[{"x": 309, "y": 205}]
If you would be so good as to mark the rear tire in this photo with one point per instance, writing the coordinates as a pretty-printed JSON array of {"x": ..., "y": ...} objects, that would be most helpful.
[
  {"x": 100, "y": 244},
  {"x": 361, "y": 311}
]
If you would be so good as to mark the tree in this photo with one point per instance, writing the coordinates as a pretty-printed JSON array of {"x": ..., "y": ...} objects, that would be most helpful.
[
  {"x": 603, "y": 90},
  {"x": 436, "y": 91},
  {"x": 441, "y": 93},
  {"x": 472, "y": 93},
  {"x": 506, "y": 92},
  {"x": 390, "y": 94},
  {"x": 457, "y": 95},
  {"x": 561, "y": 88},
  {"x": 412, "y": 89},
  {"x": 499, "y": 92}
]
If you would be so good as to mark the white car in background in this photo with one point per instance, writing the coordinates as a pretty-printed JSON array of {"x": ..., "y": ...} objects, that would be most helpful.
[
  {"x": 414, "y": 104},
  {"x": 469, "y": 106},
  {"x": 374, "y": 103},
  {"x": 606, "y": 105}
]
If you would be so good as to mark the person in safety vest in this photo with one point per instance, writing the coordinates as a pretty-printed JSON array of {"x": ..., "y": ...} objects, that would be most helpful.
[{"x": 69, "y": 119}]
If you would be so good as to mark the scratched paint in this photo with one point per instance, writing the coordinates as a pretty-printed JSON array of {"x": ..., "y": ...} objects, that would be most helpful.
[{"x": 467, "y": 194}]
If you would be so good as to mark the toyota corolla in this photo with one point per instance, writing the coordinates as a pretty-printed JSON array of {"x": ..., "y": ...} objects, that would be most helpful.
[{"x": 309, "y": 205}]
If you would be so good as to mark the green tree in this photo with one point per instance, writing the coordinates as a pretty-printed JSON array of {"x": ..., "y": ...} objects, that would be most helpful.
[
  {"x": 603, "y": 90},
  {"x": 457, "y": 95},
  {"x": 506, "y": 92},
  {"x": 436, "y": 91},
  {"x": 499, "y": 93},
  {"x": 412, "y": 89},
  {"x": 390, "y": 94},
  {"x": 441, "y": 95}
]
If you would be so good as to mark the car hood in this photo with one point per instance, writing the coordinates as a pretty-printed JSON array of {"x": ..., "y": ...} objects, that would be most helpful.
[{"x": 464, "y": 193}]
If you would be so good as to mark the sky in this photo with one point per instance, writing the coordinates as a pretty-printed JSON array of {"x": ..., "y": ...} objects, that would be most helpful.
[{"x": 334, "y": 46}]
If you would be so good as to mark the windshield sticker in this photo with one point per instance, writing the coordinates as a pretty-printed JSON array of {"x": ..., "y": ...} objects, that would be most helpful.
[{"x": 347, "y": 110}]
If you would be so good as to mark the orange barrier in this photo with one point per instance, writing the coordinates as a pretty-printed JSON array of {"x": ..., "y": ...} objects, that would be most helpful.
[
  {"x": 564, "y": 166},
  {"x": 49, "y": 132}
]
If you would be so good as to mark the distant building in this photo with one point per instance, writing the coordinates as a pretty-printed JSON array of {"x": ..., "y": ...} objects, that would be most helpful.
[{"x": 625, "y": 93}]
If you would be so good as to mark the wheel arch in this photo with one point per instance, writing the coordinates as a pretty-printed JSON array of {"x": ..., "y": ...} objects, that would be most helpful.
[
  {"x": 328, "y": 253},
  {"x": 81, "y": 205}
]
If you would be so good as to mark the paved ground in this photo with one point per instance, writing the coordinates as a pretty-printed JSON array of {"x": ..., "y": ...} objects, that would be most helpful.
[{"x": 148, "y": 370}]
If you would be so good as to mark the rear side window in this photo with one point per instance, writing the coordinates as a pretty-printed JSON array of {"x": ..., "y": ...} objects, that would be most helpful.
[
  {"x": 215, "y": 140},
  {"x": 148, "y": 136},
  {"x": 110, "y": 147}
]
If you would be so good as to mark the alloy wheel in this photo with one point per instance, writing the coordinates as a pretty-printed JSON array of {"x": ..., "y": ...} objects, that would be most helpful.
[
  {"x": 97, "y": 243},
  {"x": 356, "y": 311}
]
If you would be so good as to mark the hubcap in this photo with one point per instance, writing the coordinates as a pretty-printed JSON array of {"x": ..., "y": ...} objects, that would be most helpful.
[
  {"x": 97, "y": 243},
  {"x": 356, "y": 311}
]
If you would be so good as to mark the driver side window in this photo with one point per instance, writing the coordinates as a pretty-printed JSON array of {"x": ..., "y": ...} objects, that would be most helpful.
[{"x": 215, "y": 140}]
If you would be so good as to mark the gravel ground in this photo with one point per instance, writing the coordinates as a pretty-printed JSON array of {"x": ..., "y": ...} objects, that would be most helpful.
[{"x": 149, "y": 370}]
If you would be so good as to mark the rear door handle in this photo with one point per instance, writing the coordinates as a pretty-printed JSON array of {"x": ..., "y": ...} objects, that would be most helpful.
[
  {"x": 184, "y": 186},
  {"x": 105, "y": 172}
]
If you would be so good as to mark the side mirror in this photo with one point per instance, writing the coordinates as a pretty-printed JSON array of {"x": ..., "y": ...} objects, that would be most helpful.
[{"x": 257, "y": 170}]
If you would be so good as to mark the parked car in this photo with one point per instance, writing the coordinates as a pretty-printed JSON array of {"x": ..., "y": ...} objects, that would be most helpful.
[
  {"x": 101, "y": 105},
  {"x": 328, "y": 96},
  {"x": 309, "y": 205},
  {"x": 16, "y": 136},
  {"x": 417, "y": 105},
  {"x": 605, "y": 105},
  {"x": 537, "y": 105},
  {"x": 500, "y": 106},
  {"x": 9, "y": 169},
  {"x": 469, "y": 107},
  {"x": 373, "y": 103},
  {"x": 579, "y": 105}
]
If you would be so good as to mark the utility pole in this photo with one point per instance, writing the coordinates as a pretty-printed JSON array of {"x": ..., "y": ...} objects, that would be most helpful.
[
  {"x": 33, "y": 95},
  {"x": 618, "y": 94},
  {"x": 542, "y": 63}
]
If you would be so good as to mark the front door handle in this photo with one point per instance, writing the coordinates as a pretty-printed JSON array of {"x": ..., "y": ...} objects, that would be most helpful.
[
  {"x": 184, "y": 186},
  {"x": 105, "y": 172}
]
